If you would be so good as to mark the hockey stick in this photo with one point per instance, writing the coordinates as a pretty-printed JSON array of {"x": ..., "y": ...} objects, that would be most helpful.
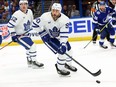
[
  {"x": 93, "y": 74},
  {"x": 96, "y": 35},
  {"x": 12, "y": 41}
]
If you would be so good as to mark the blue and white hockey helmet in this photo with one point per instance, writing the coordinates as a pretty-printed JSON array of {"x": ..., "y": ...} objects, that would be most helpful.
[
  {"x": 57, "y": 6},
  {"x": 23, "y": 1}
]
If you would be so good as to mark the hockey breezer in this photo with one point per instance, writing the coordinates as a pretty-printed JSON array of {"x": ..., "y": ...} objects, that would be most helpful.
[
  {"x": 93, "y": 74},
  {"x": 12, "y": 41}
]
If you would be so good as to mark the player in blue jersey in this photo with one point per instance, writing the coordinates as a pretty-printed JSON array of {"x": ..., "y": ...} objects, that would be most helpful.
[
  {"x": 94, "y": 8},
  {"x": 18, "y": 25},
  {"x": 53, "y": 28},
  {"x": 101, "y": 18}
]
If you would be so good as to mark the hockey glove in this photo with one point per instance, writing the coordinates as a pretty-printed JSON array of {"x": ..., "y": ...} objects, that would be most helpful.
[
  {"x": 44, "y": 36},
  {"x": 0, "y": 39},
  {"x": 62, "y": 49},
  {"x": 14, "y": 37},
  {"x": 98, "y": 31}
]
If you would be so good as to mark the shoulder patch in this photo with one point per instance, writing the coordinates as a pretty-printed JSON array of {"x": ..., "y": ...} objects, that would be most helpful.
[{"x": 98, "y": 13}]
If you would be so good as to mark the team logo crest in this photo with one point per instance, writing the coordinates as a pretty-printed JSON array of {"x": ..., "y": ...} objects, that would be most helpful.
[{"x": 54, "y": 32}]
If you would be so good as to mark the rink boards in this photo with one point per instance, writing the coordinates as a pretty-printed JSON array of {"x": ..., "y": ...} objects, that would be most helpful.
[{"x": 79, "y": 29}]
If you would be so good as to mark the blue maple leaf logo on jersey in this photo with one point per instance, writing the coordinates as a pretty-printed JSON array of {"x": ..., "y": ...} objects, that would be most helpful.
[
  {"x": 27, "y": 25},
  {"x": 54, "y": 32}
]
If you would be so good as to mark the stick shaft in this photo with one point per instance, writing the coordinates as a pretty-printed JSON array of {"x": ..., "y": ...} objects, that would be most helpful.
[{"x": 93, "y": 74}]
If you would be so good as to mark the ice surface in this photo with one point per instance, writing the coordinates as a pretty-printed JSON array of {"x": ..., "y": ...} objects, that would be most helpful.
[{"x": 15, "y": 73}]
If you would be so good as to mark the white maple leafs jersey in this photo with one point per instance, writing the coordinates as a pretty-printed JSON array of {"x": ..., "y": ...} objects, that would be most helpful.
[
  {"x": 56, "y": 29},
  {"x": 20, "y": 22}
]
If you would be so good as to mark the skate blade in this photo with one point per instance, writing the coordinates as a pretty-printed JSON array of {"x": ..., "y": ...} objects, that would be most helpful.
[
  {"x": 36, "y": 67},
  {"x": 64, "y": 75},
  {"x": 112, "y": 47}
]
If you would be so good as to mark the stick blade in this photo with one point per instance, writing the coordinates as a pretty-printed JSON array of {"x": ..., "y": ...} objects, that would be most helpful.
[{"x": 97, "y": 73}]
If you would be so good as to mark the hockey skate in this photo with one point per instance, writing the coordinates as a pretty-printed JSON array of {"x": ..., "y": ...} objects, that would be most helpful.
[
  {"x": 113, "y": 45},
  {"x": 34, "y": 64},
  {"x": 62, "y": 72},
  {"x": 70, "y": 67},
  {"x": 103, "y": 46},
  {"x": 94, "y": 42}
]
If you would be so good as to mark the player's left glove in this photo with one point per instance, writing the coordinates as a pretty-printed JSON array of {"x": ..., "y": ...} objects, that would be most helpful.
[
  {"x": 62, "y": 48},
  {"x": 14, "y": 37},
  {"x": 98, "y": 31}
]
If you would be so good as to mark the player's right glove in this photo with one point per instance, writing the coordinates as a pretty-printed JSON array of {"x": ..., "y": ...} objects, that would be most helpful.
[
  {"x": 14, "y": 37},
  {"x": 0, "y": 39},
  {"x": 97, "y": 30},
  {"x": 44, "y": 36},
  {"x": 62, "y": 48}
]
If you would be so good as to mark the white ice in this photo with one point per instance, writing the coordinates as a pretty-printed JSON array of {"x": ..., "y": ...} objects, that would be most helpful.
[{"x": 15, "y": 73}]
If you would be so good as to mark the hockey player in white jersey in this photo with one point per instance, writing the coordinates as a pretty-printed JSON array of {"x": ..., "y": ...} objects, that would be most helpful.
[
  {"x": 53, "y": 29},
  {"x": 19, "y": 25}
]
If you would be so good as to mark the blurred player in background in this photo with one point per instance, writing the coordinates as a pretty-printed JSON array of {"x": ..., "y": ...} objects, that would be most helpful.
[
  {"x": 20, "y": 23},
  {"x": 101, "y": 18},
  {"x": 94, "y": 8},
  {"x": 0, "y": 37},
  {"x": 53, "y": 28},
  {"x": 112, "y": 4}
]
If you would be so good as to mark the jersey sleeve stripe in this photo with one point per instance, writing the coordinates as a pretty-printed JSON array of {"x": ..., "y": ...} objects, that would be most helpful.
[
  {"x": 11, "y": 25},
  {"x": 35, "y": 25}
]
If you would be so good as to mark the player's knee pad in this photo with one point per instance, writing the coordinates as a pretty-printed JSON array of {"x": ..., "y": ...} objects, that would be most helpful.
[
  {"x": 33, "y": 48},
  {"x": 61, "y": 59},
  {"x": 101, "y": 42},
  {"x": 112, "y": 38},
  {"x": 33, "y": 52},
  {"x": 68, "y": 59}
]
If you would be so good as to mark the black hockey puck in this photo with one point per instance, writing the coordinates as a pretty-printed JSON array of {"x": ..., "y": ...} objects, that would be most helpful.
[{"x": 98, "y": 81}]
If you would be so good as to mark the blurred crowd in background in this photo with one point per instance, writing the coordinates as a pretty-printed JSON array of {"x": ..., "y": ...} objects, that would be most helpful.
[{"x": 71, "y": 8}]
